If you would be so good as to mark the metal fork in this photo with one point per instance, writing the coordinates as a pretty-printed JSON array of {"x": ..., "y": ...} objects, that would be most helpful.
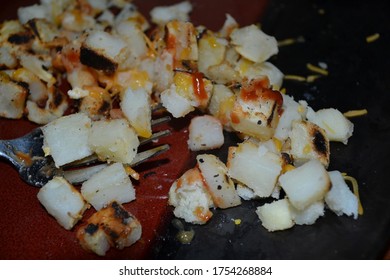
[{"x": 26, "y": 155}]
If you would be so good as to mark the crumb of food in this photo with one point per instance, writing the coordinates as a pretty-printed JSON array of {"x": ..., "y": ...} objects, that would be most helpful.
[{"x": 237, "y": 222}]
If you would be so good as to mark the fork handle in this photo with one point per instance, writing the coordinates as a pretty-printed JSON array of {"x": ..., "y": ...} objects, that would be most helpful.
[{"x": 7, "y": 152}]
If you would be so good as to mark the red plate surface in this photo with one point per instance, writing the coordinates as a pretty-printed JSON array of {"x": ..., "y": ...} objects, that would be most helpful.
[{"x": 28, "y": 232}]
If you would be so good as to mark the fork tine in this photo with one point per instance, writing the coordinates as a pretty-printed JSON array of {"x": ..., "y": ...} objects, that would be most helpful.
[
  {"x": 94, "y": 159},
  {"x": 78, "y": 176},
  {"x": 145, "y": 155},
  {"x": 161, "y": 120},
  {"x": 155, "y": 136}
]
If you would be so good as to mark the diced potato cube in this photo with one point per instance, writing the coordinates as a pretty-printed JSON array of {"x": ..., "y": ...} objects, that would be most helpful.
[
  {"x": 135, "y": 104},
  {"x": 194, "y": 87},
  {"x": 258, "y": 172},
  {"x": 102, "y": 51},
  {"x": 110, "y": 226},
  {"x": 254, "y": 44},
  {"x": 164, "y": 14},
  {"x": 66, "y": 138},
  {"x": 108, "y": 185},
  {"x": 306, "y": 184},
  {"x": 245, "y": 193},
  {"x": 12, "y": 98},
  {"x": 291, "y": 111},
  {"x": 340, "y": 199},
  {"x": 310, "y": 214},
  {"x": 62, "y": 201},
  {"x": 255, "y": 112},
  {"x": 94, "y": 239},
  {"x": 7, "y": 58},
  {"x": 175, "y": 104},
  {"x": 220, "y": 186},
  {"x": 211, "y": 51},
  {"x": 276, "y": 215},
  {"x": 221, "y": 104},
  {"x": 250, "y": 70},
  {"x": 131, "y": 32},
  {"x": 337, "y": 127},
  {"x": 181, "y": 40},
  {"x": 309, "y": 141},
  {"x": 205, "y": 133},
  {"x": 31, "y": 12},
  {"x": 113, "y": 140},
  {"x": 190, "y": 197}
]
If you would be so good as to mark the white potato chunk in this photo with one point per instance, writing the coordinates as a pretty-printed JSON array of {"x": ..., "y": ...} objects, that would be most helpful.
[
  {"x": 340, "y": 199},
  {"x": 220, "y": 186},
  {"x": 276, "y": 215},
  {"x": 336, "y": 125},
  {"x": 255, "y": 111},
  {"x": 94, "y": 239},
  {"x": 211, "y": 51},
  {"x": 12, "y": 98},
  {"x": 136, "y": 47},
  {"x": 105, "y": 44},
  {"x": 253, "y": 44},
  {"x": 110, "y": 226},
  {"x": 258, "y": 172},
  {"x": 181, "y": 40},
  {"x": 291, "y": 111},
  {"x": 306, "y": 184},
  {"x": 37, "y": 65},
  {"x": 194, "y": 87},
  {"x": 309, "y": 141},
  {"x": 135, "y": 104},
  {"x": 66, "y": 138},
  {"x": 244, "y": 192},
  {"x": 113, "y": 140},
  {"x": 250, "y": 70},
  {"x": 110, "y": 184},
  {"x": 221, "y": 104},
  {"x": 164, "y": 14},
  {"x": 176, "y": 104},
  {"x": 190, "y": 197},
  {"x": 205, "y": 133},
  {"x": 31, "y": 12},
  {"x": 228, "y": 26},
  {"x": 310, "y": 214},
  {"x": 62, "y": 201},
  {"x": 7, "y": 58}
]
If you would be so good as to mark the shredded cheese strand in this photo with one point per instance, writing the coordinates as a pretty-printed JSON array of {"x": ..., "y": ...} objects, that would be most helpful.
[
  {"x": 355, "y": 187},
  {"x": 286, "y": 42},
  {"x": 355, "y": 113},
  {"x": 317, "y": 69},
  {"x": 372, "y": 38},
  {"x": 295, "y": 78}
]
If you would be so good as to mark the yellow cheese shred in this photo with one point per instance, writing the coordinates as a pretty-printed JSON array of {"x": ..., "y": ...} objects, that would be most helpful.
[
  {"x": 295, "y": 78},
  {"x": 355, "y": 188},
  {"x": 355, "y": 113},
  {"x": 372, "y": 38},
  {"x": 317, "y": 69},
  {"x": 286, "y": 42},
  {"x": 131, "y": 172}
]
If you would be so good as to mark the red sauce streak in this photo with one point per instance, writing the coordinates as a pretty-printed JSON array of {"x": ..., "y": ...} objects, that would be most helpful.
[
  {"x": 198, "y": 84},
  {"x": 234, "y": 118},
  {"x": 260, "y": 89}
]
